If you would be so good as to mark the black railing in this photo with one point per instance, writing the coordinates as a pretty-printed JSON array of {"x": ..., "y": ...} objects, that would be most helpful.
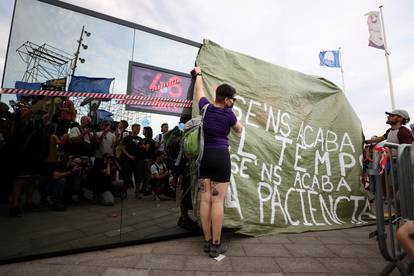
[{"x": 392, "y": 182}]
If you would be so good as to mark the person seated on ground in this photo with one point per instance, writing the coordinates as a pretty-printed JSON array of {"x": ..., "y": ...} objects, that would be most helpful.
[
  {"x": 159, "y": 176},
  {"x": 103, "y": 186},
  {"x": 58, "y": 185},
  {"x": 405, "y": 235}
]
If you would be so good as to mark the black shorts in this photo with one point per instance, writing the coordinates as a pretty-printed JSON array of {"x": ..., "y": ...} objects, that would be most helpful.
[{"x": 215, "y": 165}]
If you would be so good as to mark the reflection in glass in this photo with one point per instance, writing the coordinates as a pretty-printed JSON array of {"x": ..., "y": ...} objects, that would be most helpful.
[
  {"x": 64, "y": 183},
  {"x": 164, "y": 53}
]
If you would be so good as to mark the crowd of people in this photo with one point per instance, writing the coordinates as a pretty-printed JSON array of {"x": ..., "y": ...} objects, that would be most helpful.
[{"x": 46, "y": 157}]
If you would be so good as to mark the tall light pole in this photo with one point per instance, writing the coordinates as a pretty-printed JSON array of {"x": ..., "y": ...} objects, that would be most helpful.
[{"x": 82, "y": 60}]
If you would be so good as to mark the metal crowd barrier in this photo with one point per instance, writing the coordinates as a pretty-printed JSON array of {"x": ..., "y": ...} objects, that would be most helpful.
[{"x": 394, "y": 192}]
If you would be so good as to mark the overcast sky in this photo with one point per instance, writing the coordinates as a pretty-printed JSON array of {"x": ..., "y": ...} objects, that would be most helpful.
[{"x": 289, "y": 34}]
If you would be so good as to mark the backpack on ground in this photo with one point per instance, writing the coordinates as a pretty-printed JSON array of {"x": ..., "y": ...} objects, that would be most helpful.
[{"x": 193, "y": 137}]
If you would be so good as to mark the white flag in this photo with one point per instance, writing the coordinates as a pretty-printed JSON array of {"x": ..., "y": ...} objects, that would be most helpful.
[{"x": 374, "y": 27}]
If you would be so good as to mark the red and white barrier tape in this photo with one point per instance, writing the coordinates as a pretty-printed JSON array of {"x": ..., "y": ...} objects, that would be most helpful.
[
  {"x": 153, "y": 103},
  {"x": 53, "y": 93}
]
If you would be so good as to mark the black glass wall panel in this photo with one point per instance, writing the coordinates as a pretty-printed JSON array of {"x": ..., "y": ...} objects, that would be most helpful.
[{"x": 51, "y": 200}]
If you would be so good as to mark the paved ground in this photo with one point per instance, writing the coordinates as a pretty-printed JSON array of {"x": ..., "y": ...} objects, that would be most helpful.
[
  {"x": 339, "y": 252},
  {"x": 86, "y": 224}
]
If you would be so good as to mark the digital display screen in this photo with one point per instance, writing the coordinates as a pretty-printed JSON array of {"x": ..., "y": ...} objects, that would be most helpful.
[{"x": 167, "y": 90}]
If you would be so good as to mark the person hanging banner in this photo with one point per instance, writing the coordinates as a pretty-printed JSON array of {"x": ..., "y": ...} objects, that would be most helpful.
[
  {"x": 329, "y": 58},
  {"x": 376, "y": 39},
  {"x": 295, "y": 167}
]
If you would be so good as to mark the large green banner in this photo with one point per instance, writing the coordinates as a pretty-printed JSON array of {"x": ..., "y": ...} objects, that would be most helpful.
[{"x": 296, "y": 166}]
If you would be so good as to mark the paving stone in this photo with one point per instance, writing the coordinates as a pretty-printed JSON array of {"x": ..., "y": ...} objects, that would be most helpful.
[
  {"x": 125, "y": 272},
  {"x": 254, "y": 264},
  {"x": 171, "y": 273},
  {"x": 56, "y": 239},
  {"x": 214, "y": 273},
  {"x": 95, "y": 239},
  {"x": 161, "y": 261},
  {"x": 275, "y": 239},
  {"x": 335, "y": 240},
  {"x": 234, "y": 250},
  {"x": 6, "y": 268},
  {"x": 99, "y": 228},
  {"x": 376, "y": 265},
  {"x": 183, "y": 249},
  {"x": 309, "y": 250},
  {"x": 300, "y": 265},
  {"x": 350, "y": 251},
  {"x": 122, "y": 261},
  {"x": 134, "y": 249},
  {"x": 330, "y": 233},
  {"x": 307, "y": 274},
  {"x": 35, "y": 269},
  {"x": 357, "y": 232},
  {"x": 158, "y": 214},
  {"x": 243, "y": 240},
  {"x": 364, "y": 241},
  {"x": 344, "y": 265},
  {"x": 117, "y": 232},
  {"x": 44, "y": 233},
  {"x": 82, "y": 270},
  {"x": 205, "y": 263},
  {"x": 261, "y": 274},
  {"x": 261, "y": 249},
  {"x": 303, "y": 240}
]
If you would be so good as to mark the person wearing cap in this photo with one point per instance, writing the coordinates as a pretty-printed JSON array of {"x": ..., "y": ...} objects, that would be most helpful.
[{"x": 397, "y": 133}]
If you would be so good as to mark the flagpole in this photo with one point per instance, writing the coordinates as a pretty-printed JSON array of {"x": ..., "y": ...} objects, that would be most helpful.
[
  {"x": 387, "y": 60},
  {"x": 342, "y": 69}
]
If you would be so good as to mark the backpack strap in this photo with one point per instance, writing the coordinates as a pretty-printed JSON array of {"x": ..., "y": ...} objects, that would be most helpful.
[
  {"x": 158, "y": 168},
  {"x": 200, "y": 154}
]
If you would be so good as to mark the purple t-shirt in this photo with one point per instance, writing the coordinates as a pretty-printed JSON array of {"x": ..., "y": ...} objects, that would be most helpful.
[{"x": 216, "y": 126}]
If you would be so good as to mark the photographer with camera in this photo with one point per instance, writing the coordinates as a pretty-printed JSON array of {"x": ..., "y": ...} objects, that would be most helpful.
[
  {"x": 82, "y": 138},
  {"x": 60, "y": 180}
]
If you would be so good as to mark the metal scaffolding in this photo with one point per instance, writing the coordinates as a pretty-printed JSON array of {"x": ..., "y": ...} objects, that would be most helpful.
[{"x": 44, "y": 62}]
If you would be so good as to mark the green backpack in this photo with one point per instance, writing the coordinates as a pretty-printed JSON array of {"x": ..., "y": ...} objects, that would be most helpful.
[{"x": 193, "y": 137}]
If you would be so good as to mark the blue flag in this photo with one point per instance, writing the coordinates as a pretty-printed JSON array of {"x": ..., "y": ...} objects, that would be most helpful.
[
  {"x": 329, "y": 58},
  {"x": 104, "y": 115},
  {"x": 91, "y": 85},
  {"x": 28, "y": 85}
]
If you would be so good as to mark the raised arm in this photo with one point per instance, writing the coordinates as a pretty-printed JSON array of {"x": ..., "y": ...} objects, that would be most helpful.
[
  {"x": 238, "y": 127},
  {"x": 199, "y": 92}
]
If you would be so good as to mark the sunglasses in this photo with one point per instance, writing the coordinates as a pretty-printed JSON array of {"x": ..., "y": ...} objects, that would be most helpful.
[{"x": 232, "y": 98}]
